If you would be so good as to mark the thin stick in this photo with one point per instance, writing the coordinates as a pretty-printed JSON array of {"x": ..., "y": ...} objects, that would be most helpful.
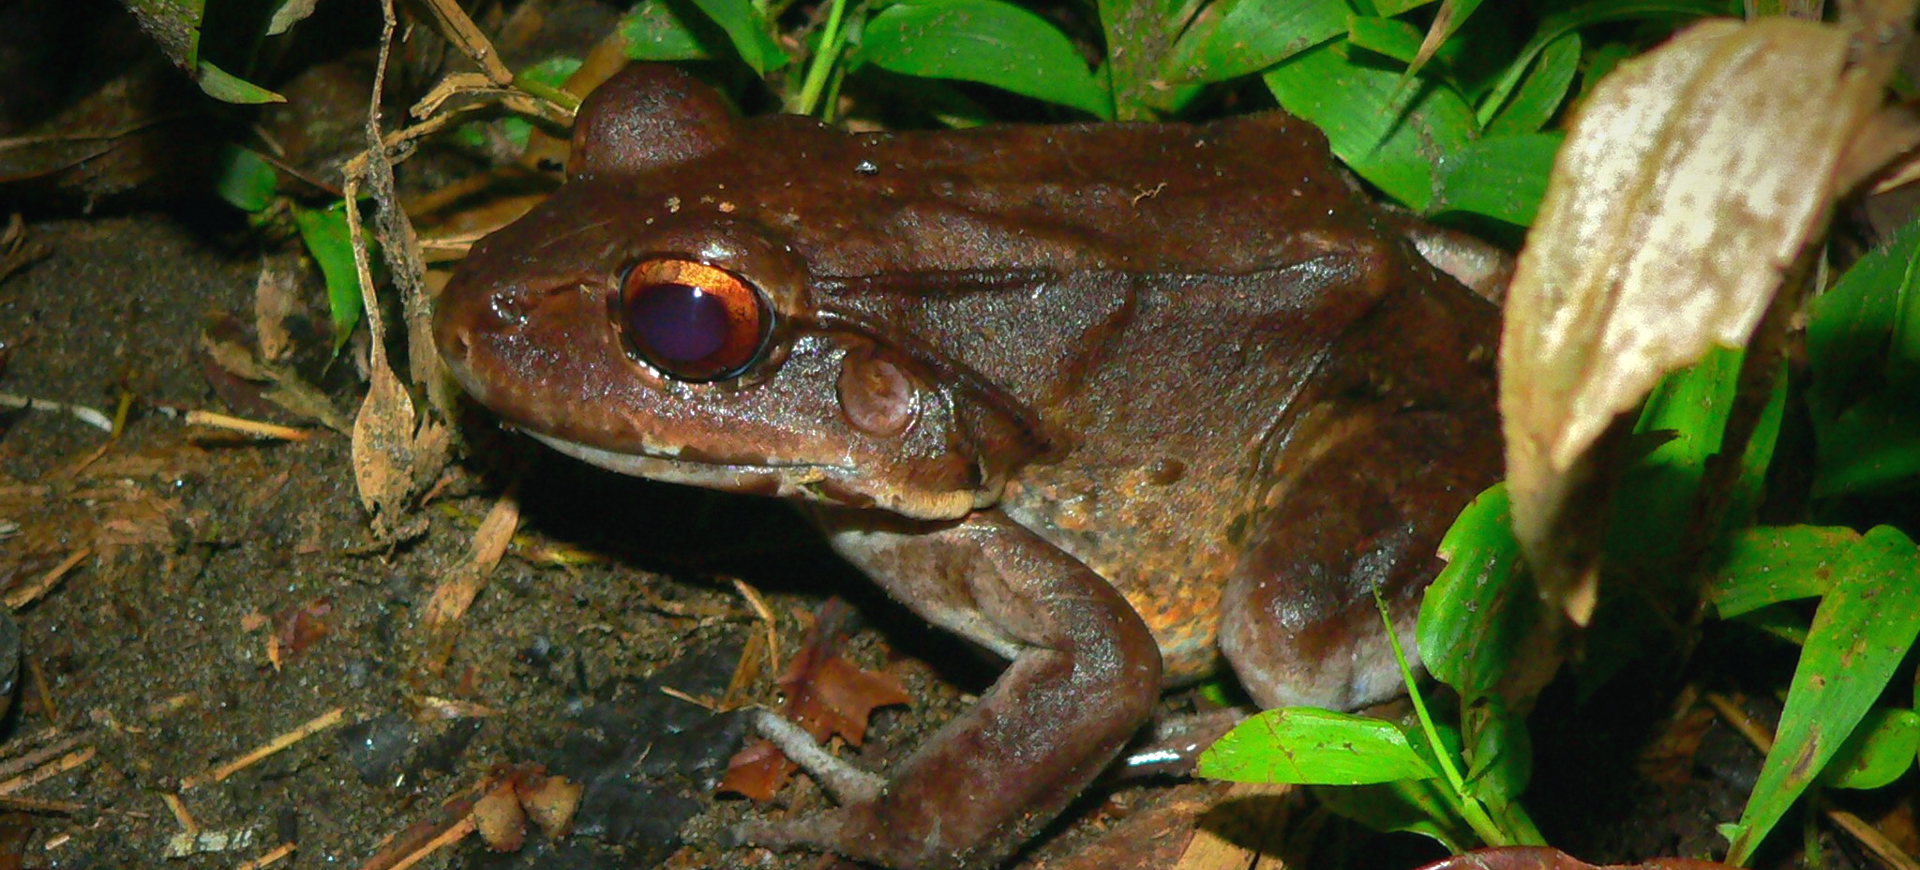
[
  {"x": 31, "y": 592},
  {"x": 273, "y": 857},
  {"x": 40, "y": 756},
  {"x": 38, "y": 805},
  {"x": 247, "y": 427},
  {"x": 62, "y": 765},
  {"x": 461, "y": 828},
  {"x": 180, "y": 814},
  {"x": 312, "y": 726}
]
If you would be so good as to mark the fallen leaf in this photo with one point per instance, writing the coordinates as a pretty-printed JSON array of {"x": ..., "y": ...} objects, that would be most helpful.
[
  {"x": 826, "y": 695},
  {"x": 550, "y": 802},
  {"x": 1692, "y": 179},
  {"x": 501, "y": 821}
]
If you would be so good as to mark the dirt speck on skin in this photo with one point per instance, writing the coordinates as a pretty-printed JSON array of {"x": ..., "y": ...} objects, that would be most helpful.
[{"x": 154, "y": 650}]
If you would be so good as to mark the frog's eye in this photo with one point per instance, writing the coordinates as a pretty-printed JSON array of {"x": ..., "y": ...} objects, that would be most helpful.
[{"x": 692, "y": 321}]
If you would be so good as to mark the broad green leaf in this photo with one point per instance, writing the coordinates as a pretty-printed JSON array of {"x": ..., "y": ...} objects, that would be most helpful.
[
  {"x": 671, "y": 30},
  {"x": 986, "y": 41},
  {"x": 1582, "y": 15},
  {"x": 1304, "y": 745},
  {"x": 1478, "y": 612},
  {"x": 1761, "y": 567},
  {"x": 1540, "y": 93},
  {"x": 748, "y": 32},
  {"x": 1502, "y": 177},
  {"x": 223, "y": 86},
  {"x": 245, "y": 179},
  {"x": 1392, "y": 134},
  {"x": 1692, "y": 404},
  {"x": 1602, "y": 61},
  {"x": 324, "y": 232},
  {"x": 1877, "y": 752},
  {"x": 1501, "y": 754},
  {"x": 1743, "y": 497},
  {"x": 1392, "y": 8},
  {"x": 1409, "y": 806},
  {"x": 1779, "y": 620},
  {"x": 1385, "y": 36},
  {"x": 1137, "y": 42},
  {"x": 1849, "y": 328},
  {"x": 1232, "y": 38},
  {"x": 1861, "y": 631},
  {"x": 1873, "y": 446}
]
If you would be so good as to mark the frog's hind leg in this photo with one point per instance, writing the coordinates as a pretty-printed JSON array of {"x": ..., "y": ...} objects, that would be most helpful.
[
  {"x": 1366, "y": 512},
  {"x": 1082, "y": 677}
]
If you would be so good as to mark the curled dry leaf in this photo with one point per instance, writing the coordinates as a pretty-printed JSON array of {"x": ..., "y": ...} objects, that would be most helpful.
[
  {"x": 550, "y": 802},
  {"x": 1691, "y": 181},
  {"x": 500, "y": 820}
]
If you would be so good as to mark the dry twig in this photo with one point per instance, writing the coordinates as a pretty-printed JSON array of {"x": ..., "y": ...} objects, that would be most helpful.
[
  {"x": 311, "y": 727},
  {"x": 31, "y": 592}
]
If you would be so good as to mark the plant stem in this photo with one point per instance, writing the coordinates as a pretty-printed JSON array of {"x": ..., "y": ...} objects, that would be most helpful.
[
  {"x": 1475, "y": 815},
  {"x": 825, "y": 55}
]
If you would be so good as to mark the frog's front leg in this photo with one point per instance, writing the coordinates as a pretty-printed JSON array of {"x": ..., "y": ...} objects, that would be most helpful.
[{"x": 1082, "y": 677}]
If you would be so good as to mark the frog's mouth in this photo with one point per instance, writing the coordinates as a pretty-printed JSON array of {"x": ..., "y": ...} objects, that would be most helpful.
[{"x": 808, "y": 481}]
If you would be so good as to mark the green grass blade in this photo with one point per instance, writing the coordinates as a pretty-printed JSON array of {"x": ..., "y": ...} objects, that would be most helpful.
[
  {"x": 1859, "y": 635},
  {"x": 1762, "y": 567}
]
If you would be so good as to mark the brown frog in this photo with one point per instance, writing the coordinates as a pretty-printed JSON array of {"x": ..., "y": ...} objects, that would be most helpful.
[{"x": 1109, "y": 400}]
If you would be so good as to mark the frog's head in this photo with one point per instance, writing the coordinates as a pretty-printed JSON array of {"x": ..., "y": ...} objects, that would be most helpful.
[{"x": 657, "y": 318}]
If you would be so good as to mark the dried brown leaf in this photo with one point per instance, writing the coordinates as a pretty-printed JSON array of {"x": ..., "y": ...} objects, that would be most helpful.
[
  {"x": 1691, "y": 181},
  {"x": 501, "y": 821},
  {"x": 550, "y": 802},
  {"x": 758, "y": 771}
]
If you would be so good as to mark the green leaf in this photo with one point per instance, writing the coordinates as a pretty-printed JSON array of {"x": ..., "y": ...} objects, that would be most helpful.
[
  {"x": 1232, "y": 38},
  {"x": 324, "y": 232},
  {"x": 1479, "y": 611},
  {"x": 1778, "y": 620},
  {"x": 1409, "y": 806},
  {"x": 245, "y": 179},
  {"x": 1850, "y": 328},
  {"x": 1586, "y": 14},
  {"x": 1304, "y": 745},
  {"x": 1540, "y": 93},
  {"x": 748, "y": 32},
  {"x": 1392, "y": 8},
  {"x": 985, "y": 41},
  {"x": 1860, "y": 633},
  {"x": 1502, "y": 177},
  {"x": 1501, "y": 753},
  {"x": 1385, "y": 36},
  {"x": 671, "y": 30},
  {"x": 1761, "y": 567},
  {"x": 1877, "y": 752},
  {"x": 1872, "y": 447},
  {"x": 220, "y": 85},
  {"x": 1392, "y": 134},
  {"x": 1693, "y": 405}
]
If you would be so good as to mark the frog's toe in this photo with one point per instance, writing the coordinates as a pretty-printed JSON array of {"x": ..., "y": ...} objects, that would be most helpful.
[{"x": 847, "y": 783}]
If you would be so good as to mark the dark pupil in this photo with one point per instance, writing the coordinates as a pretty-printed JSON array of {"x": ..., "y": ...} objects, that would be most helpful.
[{"x": 677, "y": 323}]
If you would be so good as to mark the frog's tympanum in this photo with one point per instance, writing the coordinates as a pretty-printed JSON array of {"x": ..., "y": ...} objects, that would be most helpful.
[{"x": 1113, "y": 401}]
